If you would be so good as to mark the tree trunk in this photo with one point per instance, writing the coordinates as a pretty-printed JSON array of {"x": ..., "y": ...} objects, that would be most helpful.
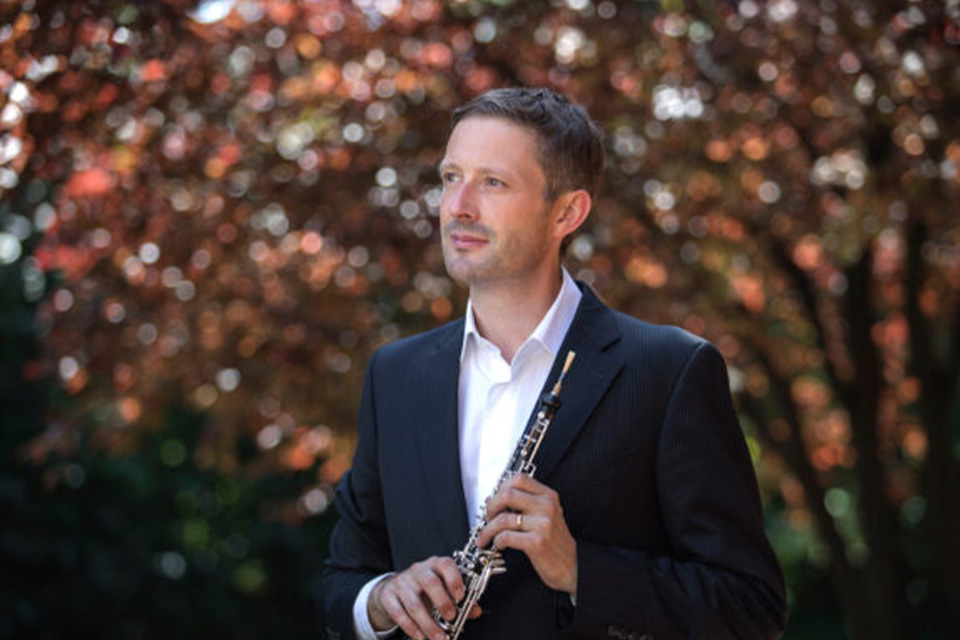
[
  {"x": 939, "y": 404},
  {"x": 846, "y": 581},
  {"x": 876, "y": 609},
  {"x": 884, "y": 586}
]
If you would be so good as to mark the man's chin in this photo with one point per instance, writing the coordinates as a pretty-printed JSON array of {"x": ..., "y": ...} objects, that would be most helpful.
[
  {"x": 460, "y": 275},
  {"x": 460, "y": 269}
]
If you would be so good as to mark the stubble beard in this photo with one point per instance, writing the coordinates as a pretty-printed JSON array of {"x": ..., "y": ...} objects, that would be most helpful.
[
  {"x": 498, "y": 263},
  {"x": 462, "y": 268}
]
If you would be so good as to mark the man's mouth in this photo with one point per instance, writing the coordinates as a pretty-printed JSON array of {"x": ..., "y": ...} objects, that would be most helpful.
[{"x": 463, "y": 240}]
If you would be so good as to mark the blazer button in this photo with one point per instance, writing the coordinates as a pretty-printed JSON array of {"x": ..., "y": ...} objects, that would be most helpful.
[{"x": 331, "y": 634}]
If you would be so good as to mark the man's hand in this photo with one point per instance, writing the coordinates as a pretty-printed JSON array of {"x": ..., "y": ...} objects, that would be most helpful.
[
  {"x": 408, "y": 599},
  {"x": 526, "y": 515}
]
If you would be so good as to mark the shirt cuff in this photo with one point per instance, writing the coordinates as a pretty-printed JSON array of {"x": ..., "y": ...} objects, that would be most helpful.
[{"x": 361, "y": 621}]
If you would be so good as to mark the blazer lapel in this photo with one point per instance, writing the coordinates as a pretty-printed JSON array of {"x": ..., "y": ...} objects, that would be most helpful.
[
  {"x": 591, "y": 337},
  {"x": 438, "y": 435}
]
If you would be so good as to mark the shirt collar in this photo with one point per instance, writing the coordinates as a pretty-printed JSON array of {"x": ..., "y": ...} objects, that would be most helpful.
[{"x": 553, "y": 326}]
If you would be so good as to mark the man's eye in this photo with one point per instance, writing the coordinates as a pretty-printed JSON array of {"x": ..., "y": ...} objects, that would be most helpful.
[
  {"x": 495, "y": 182},
  {"x": 448, "y": 177}
]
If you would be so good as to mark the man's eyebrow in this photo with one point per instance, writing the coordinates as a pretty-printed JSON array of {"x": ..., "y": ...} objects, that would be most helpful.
[{"x": 485, "y": 170}]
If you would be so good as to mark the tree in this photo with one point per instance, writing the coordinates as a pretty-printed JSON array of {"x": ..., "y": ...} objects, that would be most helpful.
[{"x": 243, "y": 206}]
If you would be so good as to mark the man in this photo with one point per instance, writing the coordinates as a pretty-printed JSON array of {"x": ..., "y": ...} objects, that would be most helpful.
[{"x": 643, "y": 519}]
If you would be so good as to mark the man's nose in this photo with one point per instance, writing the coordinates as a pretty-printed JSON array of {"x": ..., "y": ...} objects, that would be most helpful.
[{"x": 461, "y": 201}]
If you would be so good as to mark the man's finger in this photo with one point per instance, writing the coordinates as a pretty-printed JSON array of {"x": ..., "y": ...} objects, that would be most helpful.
[
  {"x": 436, "y": 594},
  {"x": 390, "y": 603},
  {"x": 506, "y": 521},
  {"x": 448, "y": 570},
  {"x": 512, "y": 499},
  {"x": 411, "y": 597},
  {"x": 512, "y": 540},
  {"x": 422, "y": 617}
]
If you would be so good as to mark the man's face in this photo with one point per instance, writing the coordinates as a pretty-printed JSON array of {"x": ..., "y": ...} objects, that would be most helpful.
[{"x": 494, "y": 217}]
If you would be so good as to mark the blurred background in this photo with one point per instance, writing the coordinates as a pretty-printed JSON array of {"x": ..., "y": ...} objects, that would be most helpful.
[{"x": 211, "y": 213}]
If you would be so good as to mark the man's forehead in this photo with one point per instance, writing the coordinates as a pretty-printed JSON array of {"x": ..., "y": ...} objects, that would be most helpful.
[
  {"x": 493, "y": 125},
  {"x": 493, "y": 143}
]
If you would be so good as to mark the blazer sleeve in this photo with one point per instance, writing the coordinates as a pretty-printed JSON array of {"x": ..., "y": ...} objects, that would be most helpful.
[
  {"x": 720, "y": 578},
  {"x": 359, "y": 545}
]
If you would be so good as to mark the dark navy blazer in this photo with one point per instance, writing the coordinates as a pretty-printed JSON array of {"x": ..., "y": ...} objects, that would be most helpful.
[{"x": 652, "y": 471}]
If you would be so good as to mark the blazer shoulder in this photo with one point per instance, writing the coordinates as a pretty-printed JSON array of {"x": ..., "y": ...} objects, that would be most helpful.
[
  {"x": 411, "y": 348},
  {"x": 676, "y": 337},
  {"x": 661, "y": 341}
]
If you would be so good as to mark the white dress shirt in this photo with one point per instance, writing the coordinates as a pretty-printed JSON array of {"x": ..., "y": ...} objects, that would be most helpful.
[
  {"x": 497, "y": 397},
  {"x": 495, "y": 402}
]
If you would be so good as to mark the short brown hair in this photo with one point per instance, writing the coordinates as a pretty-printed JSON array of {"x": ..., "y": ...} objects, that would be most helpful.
[{"x": 569, "y": 144}]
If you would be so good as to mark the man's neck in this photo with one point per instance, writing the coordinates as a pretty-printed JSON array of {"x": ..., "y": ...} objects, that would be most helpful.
[{"x": 507, "y": 315}]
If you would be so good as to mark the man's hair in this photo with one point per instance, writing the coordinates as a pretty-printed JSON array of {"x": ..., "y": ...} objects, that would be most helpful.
[{"x": 569, "y": 145}]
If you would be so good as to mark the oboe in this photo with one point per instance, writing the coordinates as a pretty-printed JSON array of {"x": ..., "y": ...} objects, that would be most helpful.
[{"x": 477, "y": 565}]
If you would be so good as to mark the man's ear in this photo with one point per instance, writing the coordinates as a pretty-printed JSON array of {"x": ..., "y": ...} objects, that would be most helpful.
[{"x": 571, "y": 210}]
